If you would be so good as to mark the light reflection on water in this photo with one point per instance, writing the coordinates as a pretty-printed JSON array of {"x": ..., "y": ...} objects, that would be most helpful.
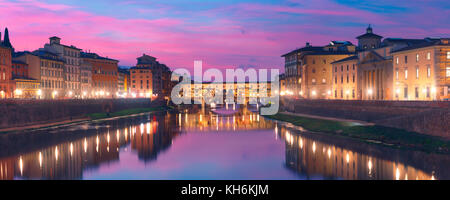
[{"x": 206, "y": 145}]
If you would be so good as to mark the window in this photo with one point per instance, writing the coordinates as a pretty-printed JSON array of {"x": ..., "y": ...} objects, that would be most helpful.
[
  {"x": 313, "y": 81},
  {"x": 428, "y": 56},
  {"x": 324, "y": 80},
  {"x": 406, "y": 74},
  {"x": 429, "y": 71},
  {"x": 406, "y": 59},
  {"x": 417, "y": 72},
  {"x": 447, "y": 72},
  {"x": 448, "y": 54},
  {"x": 417, "y": 92},
  {"x": 396, "y": 74},
  {"x": 405, "y": 92},
  {"x": 417, "y": 57},
  {"x": 396, "y": 60}
]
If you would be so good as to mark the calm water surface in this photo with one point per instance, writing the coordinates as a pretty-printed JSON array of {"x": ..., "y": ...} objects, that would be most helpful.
[{"x": 204, "y": 145}]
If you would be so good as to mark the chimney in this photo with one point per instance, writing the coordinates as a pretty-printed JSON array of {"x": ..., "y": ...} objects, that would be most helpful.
[{"x": 307, "y": 44}]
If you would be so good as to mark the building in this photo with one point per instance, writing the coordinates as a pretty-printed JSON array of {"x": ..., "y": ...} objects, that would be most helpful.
[
  {"x": 72, "y": 62},
  {"x": 345, "y": 78},
  {"x": 141, "y": 82},
  {"x": 104, "y": 75},
  {"x": 26, "y": 88},
  {"x": 6, "y": 85},
  {"x": 123, "y": 82},
  {"x": 161, "y": 74},
  {"x": 52, "y": 75},
  {"x": 308, "y": 71},
  {"x": 33, "y": 62},
  {"x": 19, "y": 69},
  {"x": 86, "y": 80},
  {"x": 422, "y": 71},
  {"x": 375, "y": 66},
  {"x": 369, "y": 40}
]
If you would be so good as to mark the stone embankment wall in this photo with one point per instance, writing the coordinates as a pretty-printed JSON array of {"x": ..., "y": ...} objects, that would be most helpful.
[
  {"x": 428, "y": 117},
  {"x": 17, "y": 113}
]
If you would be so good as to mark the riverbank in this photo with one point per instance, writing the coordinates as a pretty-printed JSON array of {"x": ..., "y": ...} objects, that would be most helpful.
[
  {"x": 88, "y": 118},
  {"x": 387, "y": 136}
]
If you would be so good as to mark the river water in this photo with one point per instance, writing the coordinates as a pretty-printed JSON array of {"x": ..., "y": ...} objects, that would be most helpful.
[{"x": 191, "y": 145}]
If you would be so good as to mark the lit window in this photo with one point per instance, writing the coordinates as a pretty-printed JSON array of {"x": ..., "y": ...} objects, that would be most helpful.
[
  {"x": 417, "y": 73},
  {"x": 417, "y": 57},
  {"x": 324, "y": 80},
  {"x": 406, "y": 74},
  {"x": 448, "y": 72},
  {"x": 428, "y": 56},
  {"x": 396, "y": 73},
  {"x": 428, "y": 71},
  {"x": 448, "y": 54}
]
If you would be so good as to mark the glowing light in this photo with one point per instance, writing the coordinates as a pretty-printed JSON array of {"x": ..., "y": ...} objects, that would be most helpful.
[
  {"x": 397, "y": 174},
  {"x": 314, "y": 93},
  {"x": 56, "y": 153},
  {"x": 21, "y": 165},
  {"x": 347, "y": 158},
  {"x": 71, "y": 149},
  {"x": 39, "y": 92},
  {"x": 18, "y": 92},
  {"x": 433, "y": 89},
  {"x": 397, "y": 91},
  {"x": 70, "y": 93},
  {"x": 369, "y": 91},
  {"x": 314, "y": 147},
  {"x": 40, "y": 159},
  {"x": 329, "y": 153}
]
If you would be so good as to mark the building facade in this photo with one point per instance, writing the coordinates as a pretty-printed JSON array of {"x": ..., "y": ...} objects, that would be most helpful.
[
  {"x": 123, "y": 82},
  {"x": 141, "y": 82},
  {"x": 161, "y": 74},
  {"x": 345, "y": 78},
  {"x": 86, "y": 80},
  {"x": 52, "y": 75},
  {"x": 308, "y": 70},
  {"x": 104, "y": 75},
  {"x": 422, "y": 71},
  {"x": 6, "y": 84},
  {"x": 72, "y": 62}
]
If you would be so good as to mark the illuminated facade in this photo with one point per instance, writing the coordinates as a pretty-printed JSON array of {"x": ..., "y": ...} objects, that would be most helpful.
[
  {"x": 141, "y": 82},
  {"x": 123, "y": 81},
  {"x": 6, "y": 84},
  {"x": 345, "y": 78},
  {"x": 422, "y": 72},
  {"x": 308, "y": 71},
  {"x": 52, "y": 75},
  {"x": 72, "y": 62},
  {"x": 104, "y": 75}
]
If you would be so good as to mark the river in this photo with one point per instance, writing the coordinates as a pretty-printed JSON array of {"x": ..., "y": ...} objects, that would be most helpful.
[{"x": 192, "y": 145}]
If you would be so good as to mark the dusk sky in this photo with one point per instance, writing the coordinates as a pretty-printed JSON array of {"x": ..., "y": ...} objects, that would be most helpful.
[{"x": 221, "y": 33}]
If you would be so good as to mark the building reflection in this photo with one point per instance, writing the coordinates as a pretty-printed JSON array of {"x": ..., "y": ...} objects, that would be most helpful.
[
  {"x": 313, "y": 159},
  {"x": 68, "y": 160}
]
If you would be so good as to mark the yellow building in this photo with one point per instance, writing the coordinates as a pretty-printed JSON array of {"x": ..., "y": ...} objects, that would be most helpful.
[
  {"x": 308, "y": 69},
  {"x": 422, "y": 72},
  {"x": 345, "y": 78},
  {"x": 27, "y": 88},
  {"x": 317, "y": 74}
]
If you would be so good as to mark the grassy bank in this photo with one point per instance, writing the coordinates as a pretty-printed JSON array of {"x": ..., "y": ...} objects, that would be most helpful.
[
  {"x": 95, "y": 116},
  {"x": 385, "y": 135}
]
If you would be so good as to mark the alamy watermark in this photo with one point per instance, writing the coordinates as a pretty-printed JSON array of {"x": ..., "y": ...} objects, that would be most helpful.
[{"x": 240, "y": 87}]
